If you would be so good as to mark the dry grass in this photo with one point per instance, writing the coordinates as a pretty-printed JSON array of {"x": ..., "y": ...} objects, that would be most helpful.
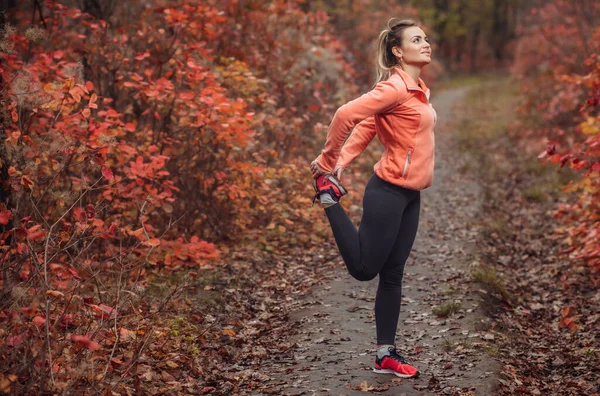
[{"x": 447, "y": 309}]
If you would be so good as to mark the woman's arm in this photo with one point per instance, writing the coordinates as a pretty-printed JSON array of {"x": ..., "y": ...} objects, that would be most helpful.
[
  {"x": 358, "y": 141},
  {"x": 383, "y": 97}
]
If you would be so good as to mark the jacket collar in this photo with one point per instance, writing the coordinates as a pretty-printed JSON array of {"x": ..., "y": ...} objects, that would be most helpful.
[{"x": 410, "y": 83}]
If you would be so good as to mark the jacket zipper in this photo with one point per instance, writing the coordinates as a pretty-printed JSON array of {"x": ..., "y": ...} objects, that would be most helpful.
[{"x": 406, "y": 163}]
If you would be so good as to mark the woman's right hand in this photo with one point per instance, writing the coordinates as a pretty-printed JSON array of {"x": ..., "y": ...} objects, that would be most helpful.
[
  {"x": 338, "y": 172},
  {"x": 316, "y": 171}
]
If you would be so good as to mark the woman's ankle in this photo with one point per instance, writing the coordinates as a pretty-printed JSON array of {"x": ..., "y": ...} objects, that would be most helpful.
[
  {"x": 384, "y": 349},
  {"x": 326, "y": 200}
]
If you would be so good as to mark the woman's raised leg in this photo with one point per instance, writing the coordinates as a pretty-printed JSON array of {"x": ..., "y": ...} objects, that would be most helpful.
[{"x": 366, "y": 250}]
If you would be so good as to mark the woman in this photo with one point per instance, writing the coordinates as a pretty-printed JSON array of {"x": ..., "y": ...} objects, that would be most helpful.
[{"x": 398, "y": 111}]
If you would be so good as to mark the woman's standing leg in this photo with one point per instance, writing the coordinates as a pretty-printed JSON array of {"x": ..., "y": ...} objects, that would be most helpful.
[
  {"x": 389, "y": 296},
  {"x": 389, "y": 291}
]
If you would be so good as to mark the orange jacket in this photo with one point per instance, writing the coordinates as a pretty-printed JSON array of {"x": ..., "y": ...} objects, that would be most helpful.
[{"x": 399, "y": 113}]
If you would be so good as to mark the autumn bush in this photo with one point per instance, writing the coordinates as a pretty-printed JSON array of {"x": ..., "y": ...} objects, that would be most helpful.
[{"x": 558, "y": 62}]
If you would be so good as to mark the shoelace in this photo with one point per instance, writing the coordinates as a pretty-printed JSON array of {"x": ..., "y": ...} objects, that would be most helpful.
[{"x": 394, "y": 355}]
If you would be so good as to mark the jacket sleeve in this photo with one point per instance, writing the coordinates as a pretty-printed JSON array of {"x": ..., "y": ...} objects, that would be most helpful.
[
  {"x": 382, "y": 97},
  {"x": 358, "y": 141}
]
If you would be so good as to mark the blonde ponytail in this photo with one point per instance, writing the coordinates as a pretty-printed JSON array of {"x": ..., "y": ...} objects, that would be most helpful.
[{"x": 389, "y": 38}]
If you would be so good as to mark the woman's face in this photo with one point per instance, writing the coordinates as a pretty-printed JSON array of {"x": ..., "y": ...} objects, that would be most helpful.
[{"x": 415, "y": 49}]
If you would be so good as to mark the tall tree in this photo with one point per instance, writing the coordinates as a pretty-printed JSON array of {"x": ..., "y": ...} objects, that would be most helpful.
[
  {"x": 6, "y": 10},
  {"x": 101, "y": 9}
]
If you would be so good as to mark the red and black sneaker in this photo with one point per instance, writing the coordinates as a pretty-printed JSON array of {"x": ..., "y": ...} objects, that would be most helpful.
[
  {"x": 329, "y": 184},
  {"x": 395, "y": 364}
]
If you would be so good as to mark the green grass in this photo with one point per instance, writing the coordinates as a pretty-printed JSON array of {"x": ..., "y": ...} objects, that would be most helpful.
[
  {"x": 463, "y": 80},
  {"x": 547, "y": 180},
  {"x": 491, "y": 279},
  {"x": 589, "y": 352},
  {"x": 499, "y": 226},
  {"x": 493, "y": 350},
  {"x": 536, "y": 193},
  {"x": 447, "y": 309},
  {"x": 447, "y": 292},
  {"x": 447, "y": 345},
  {"x": 489, "y": 108}
]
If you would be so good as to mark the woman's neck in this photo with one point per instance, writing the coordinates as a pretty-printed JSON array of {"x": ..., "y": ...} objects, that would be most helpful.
[{"x": 413, "y": 71}]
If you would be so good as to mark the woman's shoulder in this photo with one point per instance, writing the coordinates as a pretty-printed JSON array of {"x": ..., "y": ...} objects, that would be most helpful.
[{"x": 400, "y": 85}]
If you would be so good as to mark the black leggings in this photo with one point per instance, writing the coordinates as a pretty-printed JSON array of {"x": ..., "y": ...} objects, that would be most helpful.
[{"x": 381, "y": 245}]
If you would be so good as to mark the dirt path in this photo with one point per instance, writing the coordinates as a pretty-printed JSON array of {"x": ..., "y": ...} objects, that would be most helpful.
[{"x": 335, "y": 333}]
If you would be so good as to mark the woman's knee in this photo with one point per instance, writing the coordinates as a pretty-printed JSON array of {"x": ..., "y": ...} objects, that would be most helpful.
[
  {"x": 363, "y": 275},
  {"x": 393, "y": 277}
]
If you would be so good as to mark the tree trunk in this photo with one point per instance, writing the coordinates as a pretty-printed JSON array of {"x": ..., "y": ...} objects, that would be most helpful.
[
  {"x": 6, "y": 11},
  {"x": 500, "y": 28},
  {"x": 441, "y": 7},
  {"x": 101, "y": 9},
  {"x": 474, "y": 45},
  {"x": 6, "y": 15}
]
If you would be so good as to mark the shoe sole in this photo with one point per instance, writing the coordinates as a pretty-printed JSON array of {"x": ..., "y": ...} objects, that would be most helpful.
[{"x": 387, "y": 371}]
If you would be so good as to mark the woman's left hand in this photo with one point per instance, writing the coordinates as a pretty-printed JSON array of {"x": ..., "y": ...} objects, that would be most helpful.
[{"x": 315, "y": 169}]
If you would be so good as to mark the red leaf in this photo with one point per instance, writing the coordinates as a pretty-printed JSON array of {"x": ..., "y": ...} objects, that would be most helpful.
[
  {"x": 5, "y": 216},
  {"x": 118, "y": 362},
  {"x": 55, "y": 294},
  {"x": 154, "y": 242},
  {"x": 39, "y": 321},
  {"x": 27, "y": 182},
  {"x": 90, "y": 211},
  {"x": 86, "y": 342},
  {"x": 142, "y": 56},
  {"x": 80, "y": 214},
  {"x": 74, "y": 272},
  {"x": 56, "y": 267},
  {"x": 109, "y": 310},
  {"x": 36, "y": 233},
  {"x": 99, "y": 160},
  {"x": 15, "y": 340},
  {"x": 596, "y": 166},
  {"x": 107, "y": 173},
  {"x": 188, "y": 95}
]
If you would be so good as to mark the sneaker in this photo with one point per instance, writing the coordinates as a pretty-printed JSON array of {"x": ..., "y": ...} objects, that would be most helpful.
[
  {"x": 329, "y": 184},
  {"x": 395, "y": 364}
]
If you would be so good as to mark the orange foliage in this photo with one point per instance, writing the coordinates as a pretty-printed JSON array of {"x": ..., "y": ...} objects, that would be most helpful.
[{"x": 558, "y": 58}]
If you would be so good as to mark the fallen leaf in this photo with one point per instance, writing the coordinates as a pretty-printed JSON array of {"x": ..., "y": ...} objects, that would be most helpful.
[
  {"x": 86, "y": 342},
  {"x": 55, "y": 294},
  {"x": 166, "y": 377},
  {"x": 172, "y": 364}
]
